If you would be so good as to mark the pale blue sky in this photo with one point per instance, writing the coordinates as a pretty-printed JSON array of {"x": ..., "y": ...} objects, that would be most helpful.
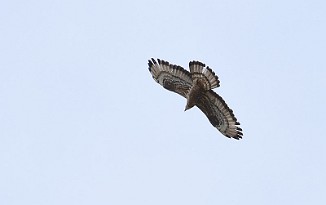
[{"x": 83, "y": 122}]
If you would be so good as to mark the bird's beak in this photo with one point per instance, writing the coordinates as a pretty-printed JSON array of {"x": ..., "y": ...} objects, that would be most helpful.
[{"x": 186, "y": 108}]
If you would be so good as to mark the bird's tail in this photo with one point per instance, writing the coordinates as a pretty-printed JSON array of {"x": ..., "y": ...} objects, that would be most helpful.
[{"x": 198, "y": 70}]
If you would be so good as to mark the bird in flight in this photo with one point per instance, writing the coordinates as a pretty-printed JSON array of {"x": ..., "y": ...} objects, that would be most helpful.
[{"x": 196, "y": 86}]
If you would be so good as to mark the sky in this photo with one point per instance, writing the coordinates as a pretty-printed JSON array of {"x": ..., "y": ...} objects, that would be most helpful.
[{"x": 83, "y": 122}]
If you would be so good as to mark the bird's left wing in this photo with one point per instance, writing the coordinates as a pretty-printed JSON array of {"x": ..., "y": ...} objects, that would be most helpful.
[
  {"x": 219, "y": 114},
  {"x": 171, "y": 77}
]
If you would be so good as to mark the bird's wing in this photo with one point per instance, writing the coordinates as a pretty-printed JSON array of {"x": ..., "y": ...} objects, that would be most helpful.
[
  {"x": 219, "y": 114},
  {"x": 171, "y": 77}
]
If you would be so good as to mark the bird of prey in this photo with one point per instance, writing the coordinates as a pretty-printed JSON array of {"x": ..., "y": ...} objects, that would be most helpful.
[{"x": 196, "y": 86}]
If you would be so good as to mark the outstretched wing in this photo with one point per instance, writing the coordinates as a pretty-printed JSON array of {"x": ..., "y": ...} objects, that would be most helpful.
[
  {"x": 219, "y": 114},
  {"x": 171, "y": 77}
]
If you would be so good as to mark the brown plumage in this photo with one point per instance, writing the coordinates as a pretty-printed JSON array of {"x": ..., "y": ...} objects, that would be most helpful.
[{"x": 196, "y": 86}]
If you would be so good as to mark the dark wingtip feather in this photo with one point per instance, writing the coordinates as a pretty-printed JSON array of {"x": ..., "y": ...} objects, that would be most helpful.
[
  {"x": 150, "y": 64},
  {"x": 239, "y": 136}
]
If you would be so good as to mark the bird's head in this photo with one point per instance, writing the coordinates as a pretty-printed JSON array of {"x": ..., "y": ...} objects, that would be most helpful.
[{"x": 188, "y": 106}]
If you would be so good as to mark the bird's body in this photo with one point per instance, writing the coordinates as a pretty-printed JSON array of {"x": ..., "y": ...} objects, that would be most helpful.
[
  {"x": 195, "y": 93},
  {"x": 196, "y": 86}
]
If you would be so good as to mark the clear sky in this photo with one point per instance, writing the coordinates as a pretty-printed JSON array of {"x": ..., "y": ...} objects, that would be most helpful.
[{"x": 83, "y": 122}]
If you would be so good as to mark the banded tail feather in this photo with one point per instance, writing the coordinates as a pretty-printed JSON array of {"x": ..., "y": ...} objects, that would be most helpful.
[{"x": 200, "y": 71}]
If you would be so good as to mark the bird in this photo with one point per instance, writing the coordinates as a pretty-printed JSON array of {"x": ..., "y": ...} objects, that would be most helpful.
[{"x": 196, "y": 86}]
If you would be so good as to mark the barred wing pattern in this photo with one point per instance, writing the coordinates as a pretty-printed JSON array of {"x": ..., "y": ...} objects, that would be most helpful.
[
  {"x": 171, "y": 77},
  {"x": 219, "y": 114}
]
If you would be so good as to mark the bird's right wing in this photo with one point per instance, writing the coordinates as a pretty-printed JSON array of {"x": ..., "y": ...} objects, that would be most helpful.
[
  {"x": 219, "y": 114},
  {"x": 171, "y": 77}
]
